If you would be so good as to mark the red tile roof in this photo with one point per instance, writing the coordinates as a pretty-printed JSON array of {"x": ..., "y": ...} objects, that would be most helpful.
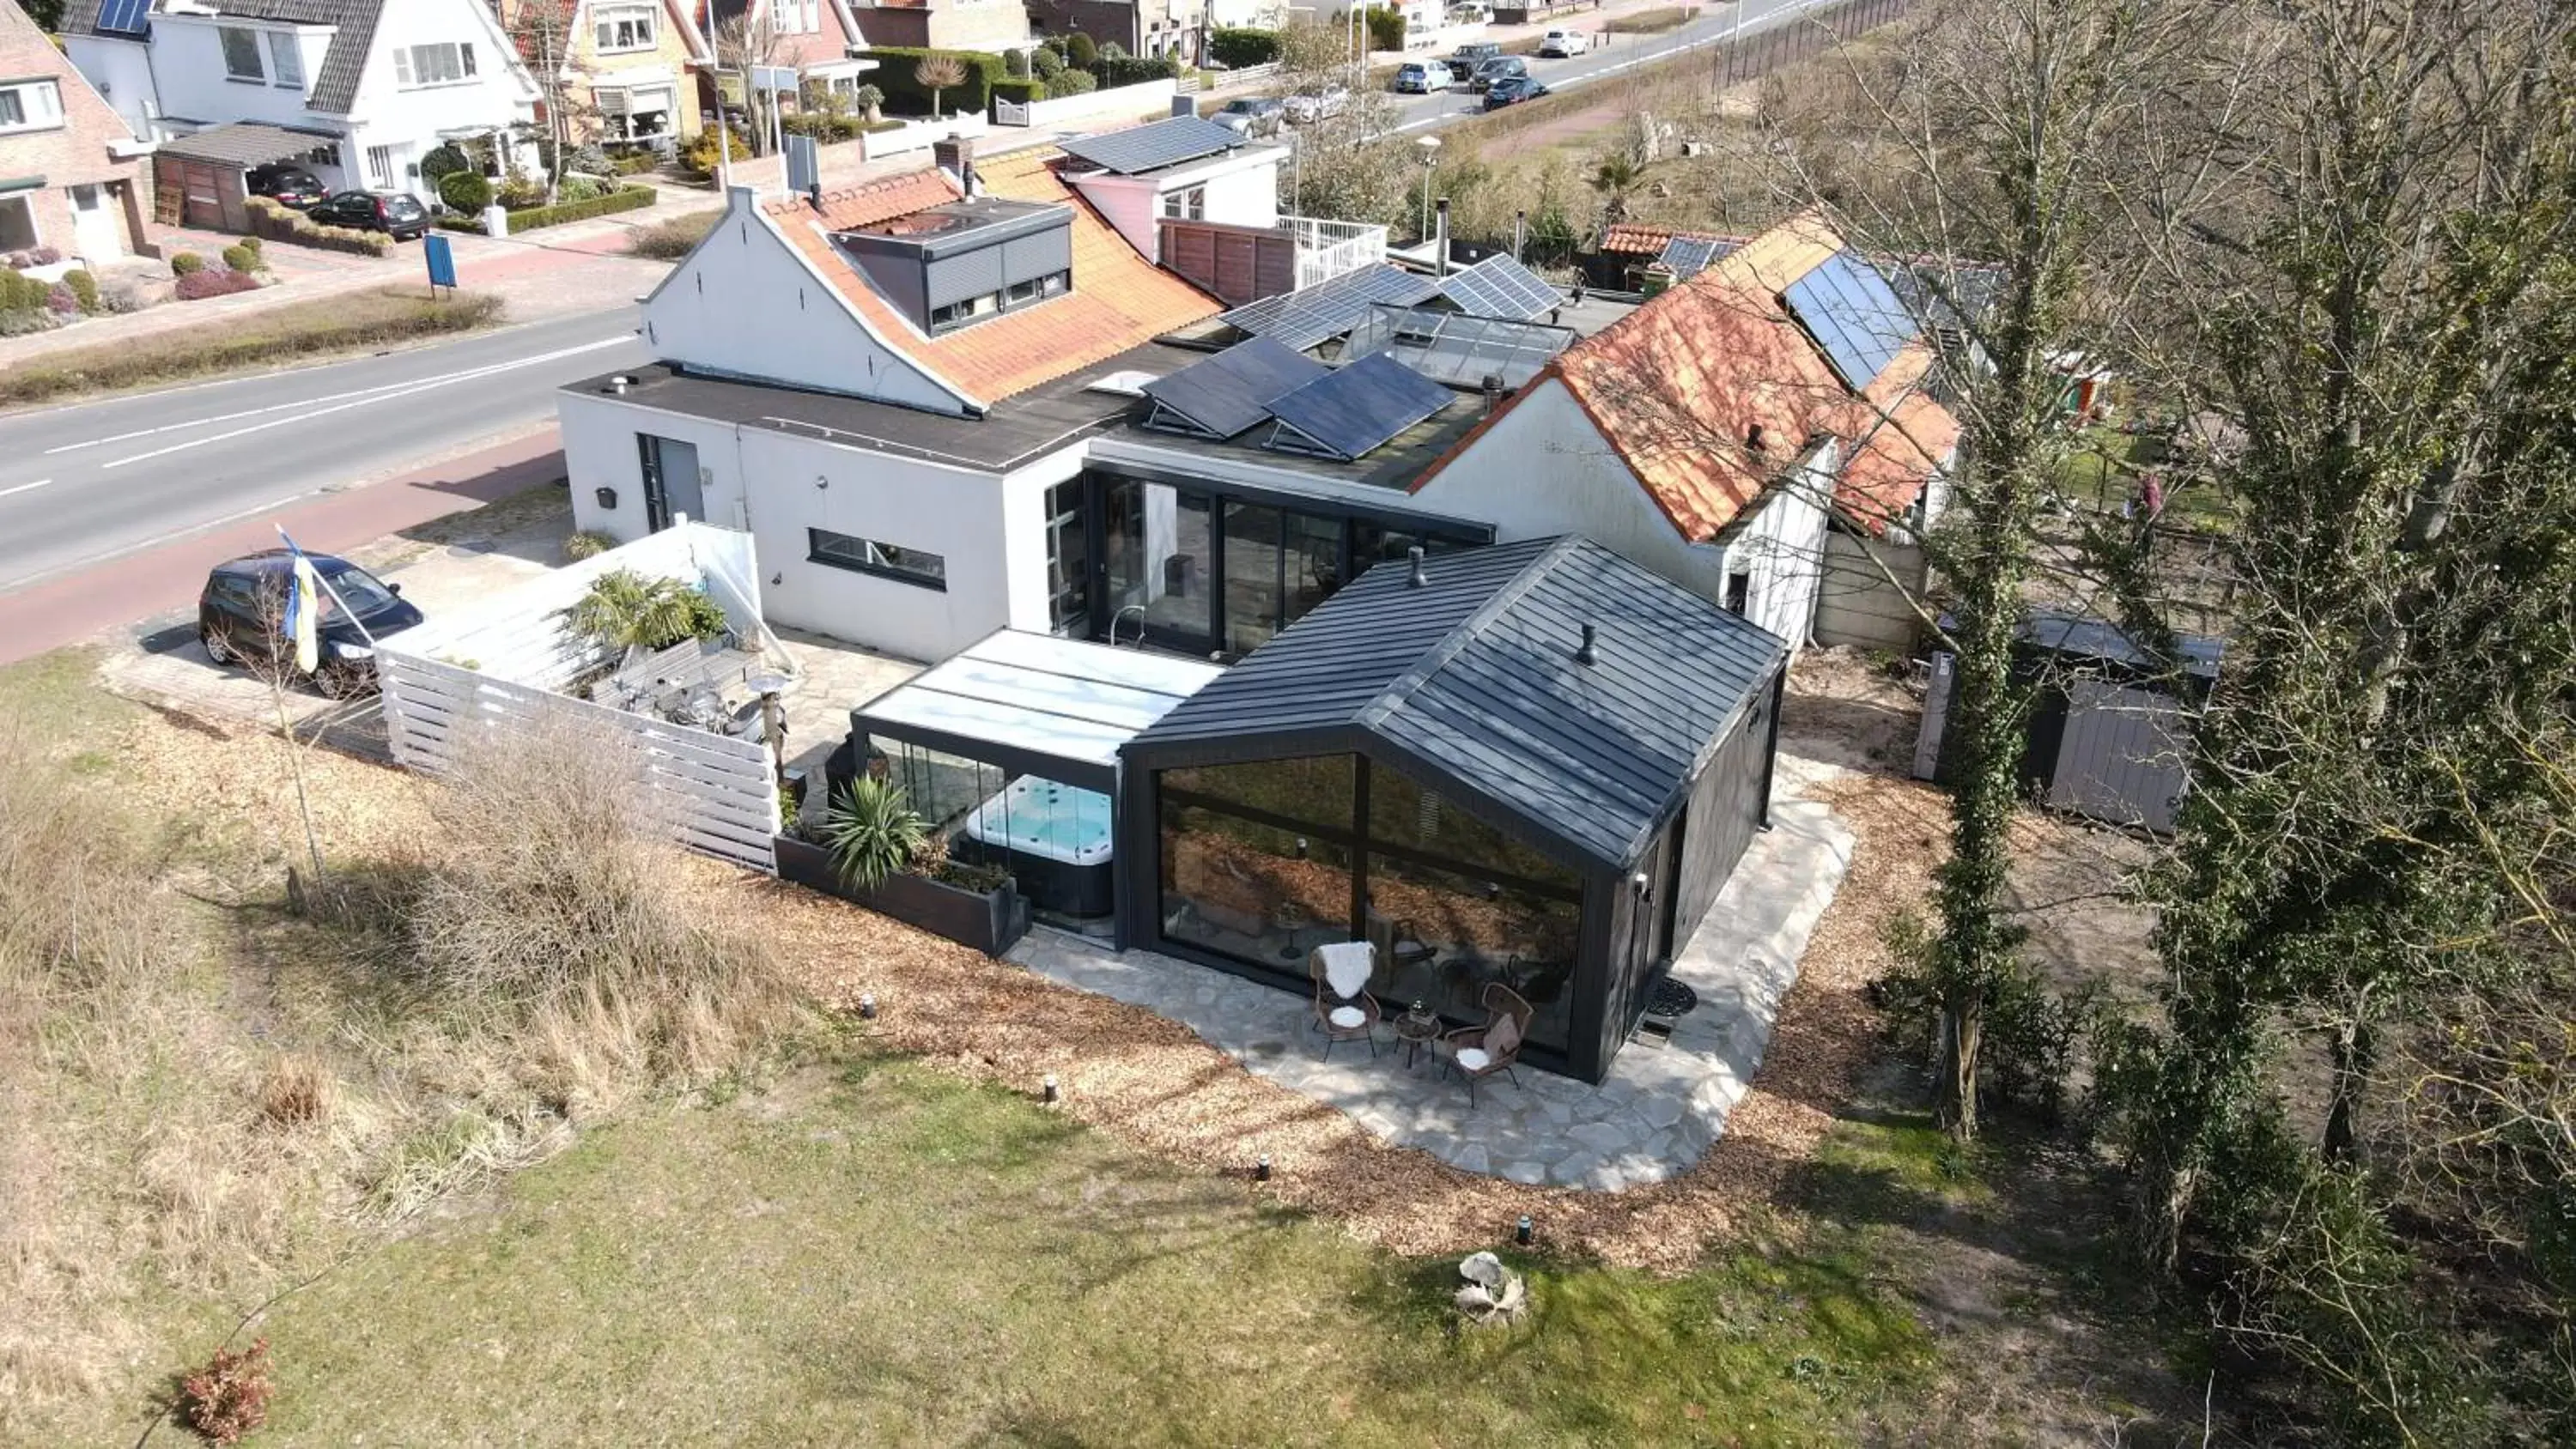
[
  {"x": 1684, "y": 386},
  {"x": 1119, "y": 300},
  {"x": 1637, "y": 238}
]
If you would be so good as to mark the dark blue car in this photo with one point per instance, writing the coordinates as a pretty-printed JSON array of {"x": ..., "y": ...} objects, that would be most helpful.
[
  {"x": 241, "y": 618},
  {"x": 1512, "y": 90}
]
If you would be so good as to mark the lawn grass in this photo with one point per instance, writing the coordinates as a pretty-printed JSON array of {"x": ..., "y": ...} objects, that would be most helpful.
[
  {"x": 871, "y": 1252},
  {"x": 281, "y": 334}
]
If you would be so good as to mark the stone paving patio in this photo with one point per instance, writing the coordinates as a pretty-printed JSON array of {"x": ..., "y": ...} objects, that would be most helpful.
[{"x": 1661, "y": 1106}]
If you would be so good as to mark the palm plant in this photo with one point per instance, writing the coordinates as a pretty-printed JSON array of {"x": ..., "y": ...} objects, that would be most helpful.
[
  {"x": 937, "y": 73},
  {"x": 624, "y": 609},
  {"x": 1614, "y": 179},
  {"x": 872, "y": 832}
]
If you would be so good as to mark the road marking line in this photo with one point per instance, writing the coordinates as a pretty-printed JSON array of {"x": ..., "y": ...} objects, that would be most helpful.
[
  {"x": 221, "y": 418},
  {"x": 25, "y": 487},
  {"x": 408, "y": 390}
]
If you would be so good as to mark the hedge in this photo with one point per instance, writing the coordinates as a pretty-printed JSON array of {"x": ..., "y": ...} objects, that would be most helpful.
[
  {"x": 1019, "y": 92},
  {"x": 279, "y": 223},
  {"x": 893, "y": 75},
  {"x": 1385, "y": 27},
  {"x": 1073, "y": 83},
  {"x": 531, "y": 218},
  {"x": 1128, "y": 70},
  {"x": 1235, "y": 47}
]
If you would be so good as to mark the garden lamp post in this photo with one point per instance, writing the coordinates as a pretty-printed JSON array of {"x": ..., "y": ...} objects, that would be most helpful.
[{"x": 1430, "y": 158}]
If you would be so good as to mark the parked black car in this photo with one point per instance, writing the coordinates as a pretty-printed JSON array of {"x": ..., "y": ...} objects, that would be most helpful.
[
  {"x": 390, "y": 212},
  {"x": 1495, "y": 68},
  {"x": 241, "y": 617},
  {"x": 1512, "y": 90},
  {"x": 285, "y": 183}
]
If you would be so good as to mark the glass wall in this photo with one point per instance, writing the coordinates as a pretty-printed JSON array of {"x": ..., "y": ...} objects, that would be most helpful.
[
  {"x": 1054, "y": 839},
  {"x": 1265, "y": 860}
]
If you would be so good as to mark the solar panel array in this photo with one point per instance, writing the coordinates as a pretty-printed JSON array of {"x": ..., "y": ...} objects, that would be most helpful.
[
  {"x": 1499, "y": 286},
  {"x": 1225, "y": 394},
  {"x": 1355, "y": 409},
  {"x": 124, "y": 17},
  {"x": 1688, "y": 256},
  {"x": 1151, "y": 148},
  {"x": 1853, "y": 315},
  {"x": 1457, "y": 349},
  {"x": 1317, "y": 314}
]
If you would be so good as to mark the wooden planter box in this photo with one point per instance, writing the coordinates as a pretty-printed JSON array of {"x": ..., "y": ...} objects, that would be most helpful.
[{"x": 988, "y": 921}]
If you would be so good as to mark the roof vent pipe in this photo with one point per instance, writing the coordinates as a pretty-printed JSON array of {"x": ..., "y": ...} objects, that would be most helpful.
[
  {"x": 1520, "y": 233},
  {"x": 1587, "y": 654},
  {"x": 1493, "y": 392},
  {"x": 617, "y": 385},
  {"x": 1419, "y": 579},
  {"x": 1440, "y": 241}
]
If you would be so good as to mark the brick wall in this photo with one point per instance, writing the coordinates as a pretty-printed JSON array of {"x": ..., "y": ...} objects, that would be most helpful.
[{"x": 71, "y": 154}]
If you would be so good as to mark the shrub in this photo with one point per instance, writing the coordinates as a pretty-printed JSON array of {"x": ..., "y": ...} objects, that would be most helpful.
[
  {"x": 1046, "y": 63},
  {"x": 465, "y": 191},
  {"x": 282, "y": 223},
  {"x": 228, "y": 1397},
  {"x": 1080, "y": 51},
  {"x": 631, "y": 163},
  {"x": 590, "y": 542},
  {"x": 303, "y": 329},
  {"x": 241, "y": 258},
  {"x": 83, "y": 286},
  {"x": 519, "y": 191},
  {"x": 251, "y": 245},
  {"x": 897, "y": 73},
  {"x": 628, "y": 198},
  {"x": 1128, "y": 70},
  {"x": 62, "y": 301},
  {"x": 590, "y": 158},
  {"x": 1110, "y": 51},
  {"x": 21, "y": 293},
  {"x": 442, "y": 162},
  {"x": 1073, "y": 83},
  {"x": 198, "y": 286},
  {"x": 700, "y": 156},
  {"x": 1020, "y": 91},
  {"x": 1016, "y": 64},
  {"x": 1236, "y": 47},
  {"x": 578, "y": 188},
  {"x": 1385, "y": 28},
  {"x": 871, "y": 832},
  {"x": 183, "y": 263},
  {"x": 624, "y": 609},
  {"x": 22, "y": 323}
]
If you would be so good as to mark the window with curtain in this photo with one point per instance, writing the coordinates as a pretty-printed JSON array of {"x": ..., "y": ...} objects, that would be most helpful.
[
  {"x": 623, "y": 27},
  {"x": 241, "y": 53}
]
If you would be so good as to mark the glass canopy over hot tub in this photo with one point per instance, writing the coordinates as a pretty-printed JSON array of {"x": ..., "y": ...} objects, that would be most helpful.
[{"x": 1009, "y": 751}]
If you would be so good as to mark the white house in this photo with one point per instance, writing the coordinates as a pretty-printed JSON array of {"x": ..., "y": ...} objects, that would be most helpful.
[{"x": 374, "y": 84}]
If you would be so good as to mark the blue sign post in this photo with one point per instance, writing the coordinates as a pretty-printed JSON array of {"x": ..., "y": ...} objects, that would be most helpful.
[{"x": 442, "y": 262}]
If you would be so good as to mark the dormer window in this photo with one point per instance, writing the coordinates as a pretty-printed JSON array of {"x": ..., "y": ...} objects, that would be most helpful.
[{"x": 959, "y": 263}]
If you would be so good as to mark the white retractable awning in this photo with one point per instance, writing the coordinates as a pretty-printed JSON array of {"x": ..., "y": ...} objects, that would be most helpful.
[{"x": 1033, "y": 702}]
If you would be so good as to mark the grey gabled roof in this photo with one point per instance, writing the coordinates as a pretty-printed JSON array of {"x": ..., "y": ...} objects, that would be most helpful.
[
  {"x": 243, "y": 143},
  {"x": 334, "y": 88},
  {"x": 1471, "y": 678}
]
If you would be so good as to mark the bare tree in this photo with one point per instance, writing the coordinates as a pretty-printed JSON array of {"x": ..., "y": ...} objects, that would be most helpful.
[
  {"x": 543, "y": 31},
  {"x": 744, "y": 44}
]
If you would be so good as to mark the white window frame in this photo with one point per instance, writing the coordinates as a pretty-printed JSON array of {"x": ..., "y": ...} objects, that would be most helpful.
[
  {"x": 1187, "y": 203},
  {"x": 225, "y": 35},
  {"x": 40, "y": 106},
  {"x": 285, "y": 60},
  {"x": 642, "y": 22},
  {"x": 409, "y": 68},
  {"x": 380, "y": 168},
  {"x": 618, "y": 107}
]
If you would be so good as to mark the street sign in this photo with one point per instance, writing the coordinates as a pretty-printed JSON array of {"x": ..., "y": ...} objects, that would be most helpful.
[
  {"x": 442, "y": 260},
  {"x": 773, "y": 77}
]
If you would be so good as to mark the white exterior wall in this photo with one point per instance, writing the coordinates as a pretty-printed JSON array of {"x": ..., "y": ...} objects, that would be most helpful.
[
  {"x": 743, "y": 304},
  {"x": 414, "y": 120},
  {"x": 991, "y": 530},
  {"x": 1242, "y": 190},
  {"x": 1543, "y": 470},
  {"x": 188, "y": 62},
  {"x": 121, "y": 72}
]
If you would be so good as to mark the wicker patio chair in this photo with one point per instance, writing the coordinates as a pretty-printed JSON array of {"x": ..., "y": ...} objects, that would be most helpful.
[
  {"x": 1344, "y": 1010},
  {"x": 1480, "y": 1051}
]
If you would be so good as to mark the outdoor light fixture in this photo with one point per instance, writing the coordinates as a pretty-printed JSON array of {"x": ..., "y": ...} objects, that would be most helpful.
[
  {"x": 1048, "y": 1088},
  {"x": 1526, "y": 1232},
  {"x": 607, "y": 497},
  {"x": 867, "y": 1006},
  {"x": 1301, "y": 847},
  {"x": 1261, "y": 1169}
]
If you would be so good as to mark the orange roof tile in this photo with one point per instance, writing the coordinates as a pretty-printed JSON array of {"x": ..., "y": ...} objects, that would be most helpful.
[
  {"x": 1119, "y": 300},
  {"x": 1629, "y": 236},
  {"x": 874, "y": 201},
  {"x": 1678, "y": 387}
]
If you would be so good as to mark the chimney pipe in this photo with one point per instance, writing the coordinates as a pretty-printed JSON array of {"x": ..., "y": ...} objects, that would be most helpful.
[
  {"x": 1520, "y": 233},
  {"x": 1493, "y": 392},
  {"x": 1440, "y": 241},
  {"x": 1586, "y": 654},
  {"x": 955, "y": 154},
  {"x": 1419, "y": 578}
]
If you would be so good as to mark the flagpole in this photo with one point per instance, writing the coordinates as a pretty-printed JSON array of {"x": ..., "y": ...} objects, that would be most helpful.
[{"x": 324, "y": 580}]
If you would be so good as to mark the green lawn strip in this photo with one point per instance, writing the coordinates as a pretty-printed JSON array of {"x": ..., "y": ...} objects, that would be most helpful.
[
  {"x": 888, "y": 1256},
  {"x": 260, "y": 339}
]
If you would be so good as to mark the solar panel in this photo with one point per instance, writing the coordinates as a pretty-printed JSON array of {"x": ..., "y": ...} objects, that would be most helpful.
[
  {"x": 1225, "y": 394},
  {"x": 1151, "y": 148},
  {"x": 1302, "y": 319},
  {"x": 1456, "y": 349},
  {"x": 1355, "y": 409},
  {"x": 1499, "y": 286},
  {"x": 123, "y": 17},
  {"x": 1853, "y": 315},
  {"x": 1688, "y": 256}
]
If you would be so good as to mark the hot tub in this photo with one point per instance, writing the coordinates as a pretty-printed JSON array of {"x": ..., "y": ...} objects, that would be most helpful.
[{"x": 1053, "y": 837}]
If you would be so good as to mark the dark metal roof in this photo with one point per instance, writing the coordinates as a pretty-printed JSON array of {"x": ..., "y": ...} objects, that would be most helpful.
[
  {"x": 244, "y": 143},
  {"x": 334, "y": 87},
  {"x": 1471, "y": 681},
  {"x": 2081, "y": 637},
  {"x": 1153, "y": 147}
]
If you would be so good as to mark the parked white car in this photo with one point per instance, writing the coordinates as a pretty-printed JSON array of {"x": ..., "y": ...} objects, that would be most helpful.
[
  {"x": 1318, "y": 105},
  {"x": 1562, "y": 43}
]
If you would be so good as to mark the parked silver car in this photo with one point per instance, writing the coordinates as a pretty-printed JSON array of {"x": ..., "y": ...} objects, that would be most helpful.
[
  {"x": 1318, "y": 105},
  {"x": 1251, "y": 115}
]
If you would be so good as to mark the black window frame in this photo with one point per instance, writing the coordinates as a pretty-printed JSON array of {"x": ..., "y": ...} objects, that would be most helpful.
[{"x": 887, "y": 566}]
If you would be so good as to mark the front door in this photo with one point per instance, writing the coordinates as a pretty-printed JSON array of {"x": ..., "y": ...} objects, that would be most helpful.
[
  {"x": 96, "y": 234},
  {"x": 671, "y": 486}
]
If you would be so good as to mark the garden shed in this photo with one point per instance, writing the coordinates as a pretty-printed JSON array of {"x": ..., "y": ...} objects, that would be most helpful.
[{"x": 1533, "y": 764}]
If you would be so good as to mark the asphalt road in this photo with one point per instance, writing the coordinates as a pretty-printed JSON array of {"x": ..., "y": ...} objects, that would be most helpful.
[{"x": 87, "y": 483}]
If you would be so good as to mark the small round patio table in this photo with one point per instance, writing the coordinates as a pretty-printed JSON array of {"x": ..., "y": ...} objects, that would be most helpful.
[{"x": 1415, "y": 1029}]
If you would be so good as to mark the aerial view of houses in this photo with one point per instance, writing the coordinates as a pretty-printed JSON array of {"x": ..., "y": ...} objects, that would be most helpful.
[{"x": 951, "y": 722}]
